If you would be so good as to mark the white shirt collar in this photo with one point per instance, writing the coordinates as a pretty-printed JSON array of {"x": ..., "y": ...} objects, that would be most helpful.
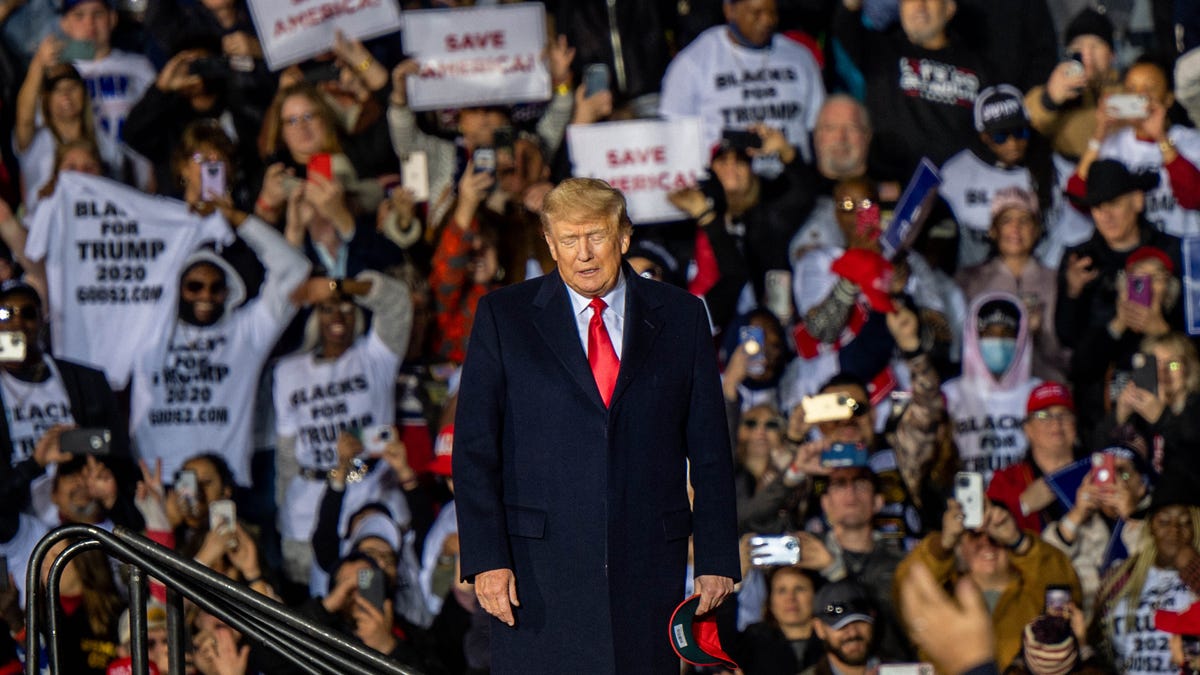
[{"x": 615, "y": 298}]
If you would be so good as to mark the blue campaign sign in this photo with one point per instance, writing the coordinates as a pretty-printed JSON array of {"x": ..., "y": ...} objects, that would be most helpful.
[
  {"x": 1191, "y": 284},
  {"x": 911, "y": 210},
  {"x": 1066, "y": 481}
]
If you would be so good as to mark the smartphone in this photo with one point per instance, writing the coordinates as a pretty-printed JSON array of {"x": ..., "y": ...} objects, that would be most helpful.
[
  {"x": 209, "y": 68},
  {"x": 1145, "y": 372},
  {"x": 485, "y": 160},
  {"x": 1127, "y": 106},
  {"x": 1104, "y": 470},
  {"x": 86, "y": 441},
  {"x": 770, "y": 550},
  {"x": 290, "y": 183},
  {"x": 187, "y": 490},
  {"x": 968, "y": 492},
  {"x": 414, "y": 174},
  {"x": 1075, "y": 64},
  {"x": 77, "y": 50},
  {"x": 503, "y": 139},
  {"x": 212, "y": 180},
  {"x": 375, "y": 437},
  {"x": 1191, "y": 646},
  {"x": 741, "y": 139},
  {"x": 322, "y": 72},
  {"x": 370, "y": 586},
  {"x": 1140, "y": 289},
  {"x": 906, "y": 669},
  {"x": 12, "y": 346},
  {"x": 752, "y": 340},
  {"x": 595, "y": 79},
  {"x": 321, "y": 164},
  {"x": 843, "y": 455},
  {"x": 1057, "y": 599},
  {"x": 828, "y": 408},
  {"x": 777, "y": 292},
  {"x": 222, "y": 519}
]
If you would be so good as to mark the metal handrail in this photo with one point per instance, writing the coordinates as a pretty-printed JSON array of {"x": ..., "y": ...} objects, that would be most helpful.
[{"x": 311, "y": 648}]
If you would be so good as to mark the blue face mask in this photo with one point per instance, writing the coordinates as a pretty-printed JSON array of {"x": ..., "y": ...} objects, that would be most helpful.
[{"x": 997, "y": 353}]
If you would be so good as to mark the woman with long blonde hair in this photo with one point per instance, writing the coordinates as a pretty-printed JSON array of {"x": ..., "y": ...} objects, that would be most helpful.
[{"x": 1164, "y": 573}]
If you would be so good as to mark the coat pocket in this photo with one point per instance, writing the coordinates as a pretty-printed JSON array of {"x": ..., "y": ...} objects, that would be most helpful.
[
  {"x": 677, "y": 524},
  {"x": 524, "y": 522}
]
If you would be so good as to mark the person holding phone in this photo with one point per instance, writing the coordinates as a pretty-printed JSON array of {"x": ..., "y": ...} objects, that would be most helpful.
[
  {"x": 339, "y": 385},
  {"x": 1010, "y": 565},
  {"x": 1167, "y": 415}
]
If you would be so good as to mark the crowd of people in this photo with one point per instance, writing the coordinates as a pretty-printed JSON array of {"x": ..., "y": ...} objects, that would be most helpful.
[{"x": 228, "y": 323}]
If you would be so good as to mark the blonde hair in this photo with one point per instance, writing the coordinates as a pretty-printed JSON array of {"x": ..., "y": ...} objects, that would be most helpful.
[
  {"x": 585, "y": 199},
  {"x": 1133, "y": 573}
]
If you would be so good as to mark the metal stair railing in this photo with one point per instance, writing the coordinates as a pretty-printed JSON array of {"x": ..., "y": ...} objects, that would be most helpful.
[{"x": 311, "y": 648}]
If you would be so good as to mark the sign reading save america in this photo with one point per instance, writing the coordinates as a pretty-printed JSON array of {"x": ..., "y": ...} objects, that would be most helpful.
[{"x": 293, "y": 30}]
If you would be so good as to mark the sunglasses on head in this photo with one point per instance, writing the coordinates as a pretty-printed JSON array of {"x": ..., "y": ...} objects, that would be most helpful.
[{"x": 1001, "y": 137}]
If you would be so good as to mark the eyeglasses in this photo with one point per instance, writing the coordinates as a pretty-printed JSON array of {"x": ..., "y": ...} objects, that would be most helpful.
[
  {"x": 195, "y": 286},
  {"x": 849, "y": 205},
  {"x": 11, "y": 313},
  {"x": 338, "y": 308},
  {"x": 770, "y": 425},
  {"x": 1047, "y": 416},
  {"x": 302, "y": 118},
  {"x": 1001, "y": 137}
]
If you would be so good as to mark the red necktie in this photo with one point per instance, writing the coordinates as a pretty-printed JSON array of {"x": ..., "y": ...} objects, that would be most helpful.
[{"x": 601, "y": 355}]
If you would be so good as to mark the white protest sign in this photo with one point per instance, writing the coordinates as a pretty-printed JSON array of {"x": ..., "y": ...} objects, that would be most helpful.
[
  {"x": 644, "y": 159},
  {"x": 475, "y": 56},
  {"x": 293, "y": 30}
]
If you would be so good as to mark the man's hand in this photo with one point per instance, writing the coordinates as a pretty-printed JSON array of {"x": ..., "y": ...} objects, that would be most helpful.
[
  {"x": 713, "y": 590},
  {"x": 48, "y": 52},
  {"x": 813, "y": 553},
  {"x": 1079, "y": 274},
  {"x": 773, "y": 143},
  {"x": 176, "y": 74},
  {"x": 591, "y": 109},
  {"x": 690, "y": 200},
  {"x": 241, "y": 43},
  {"x": 999, "y": 524},
  {"x": 1064, "y": 86},
  {"x": 48, "y": 450},
  {"x": 952, "y": 525},
  {"x": 372, "y": 626},
  {"x": 497, "y": 593},
  {"x": 957, "y": 636},
  {"x": 1037, "y": 496},
  {"x": 100, "y": 482}
]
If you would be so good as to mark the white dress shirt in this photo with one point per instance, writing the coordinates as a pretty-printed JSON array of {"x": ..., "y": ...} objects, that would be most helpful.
[{"x": 613, "y": 315}]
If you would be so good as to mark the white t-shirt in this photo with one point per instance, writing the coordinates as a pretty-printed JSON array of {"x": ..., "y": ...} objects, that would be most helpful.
[
  {"x": 987, "y": 426},
  {"x": 113, "y": 257},
  {"x": 731, "y": 87},
  {"x": 1144, "y": 649},
  {"x": 317, "y": 399},
  {"x": 115, "y": 84},
  {"x": 31, "y": 408},
  {"x": 1161, "y": 207},
  {"x": 1066, "y": 226},
  {"x": 968, "y": 184},
  {"x": 37, "y": 162}
]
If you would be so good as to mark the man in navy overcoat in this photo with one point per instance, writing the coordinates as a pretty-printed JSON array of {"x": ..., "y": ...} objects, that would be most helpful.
[{"x": 573, "y": 515}]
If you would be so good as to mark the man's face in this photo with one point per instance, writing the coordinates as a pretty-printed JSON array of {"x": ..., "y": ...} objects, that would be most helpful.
[
  {"x": 848, "y": 644},
  {"x": 857, "y": 429},
  {"x": 335, "y": 321},
  {"x": 588, "y": 254},
  {"x": 22, "y": 313},
  {"x": 71, "y": 497},
  {"x": 850, "y": 499},
  {"x": 1117, "y": 219},
  {"x": 734, "y": 173},
  {"x": 841, "y": 139},
  {"x": 202, "y": 295},
  {"x": 850, "y": 198},
  {"x": 1096, "y": 54},
  {"x": 383, "y": 555},
  {"x": 924, "y": 21},
  {"x": 90, "y": 22},
  {"x": 1051, "y": 429},
  {"x": 755, "y": 19},
  {"x": 1009, "y": 146}
]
